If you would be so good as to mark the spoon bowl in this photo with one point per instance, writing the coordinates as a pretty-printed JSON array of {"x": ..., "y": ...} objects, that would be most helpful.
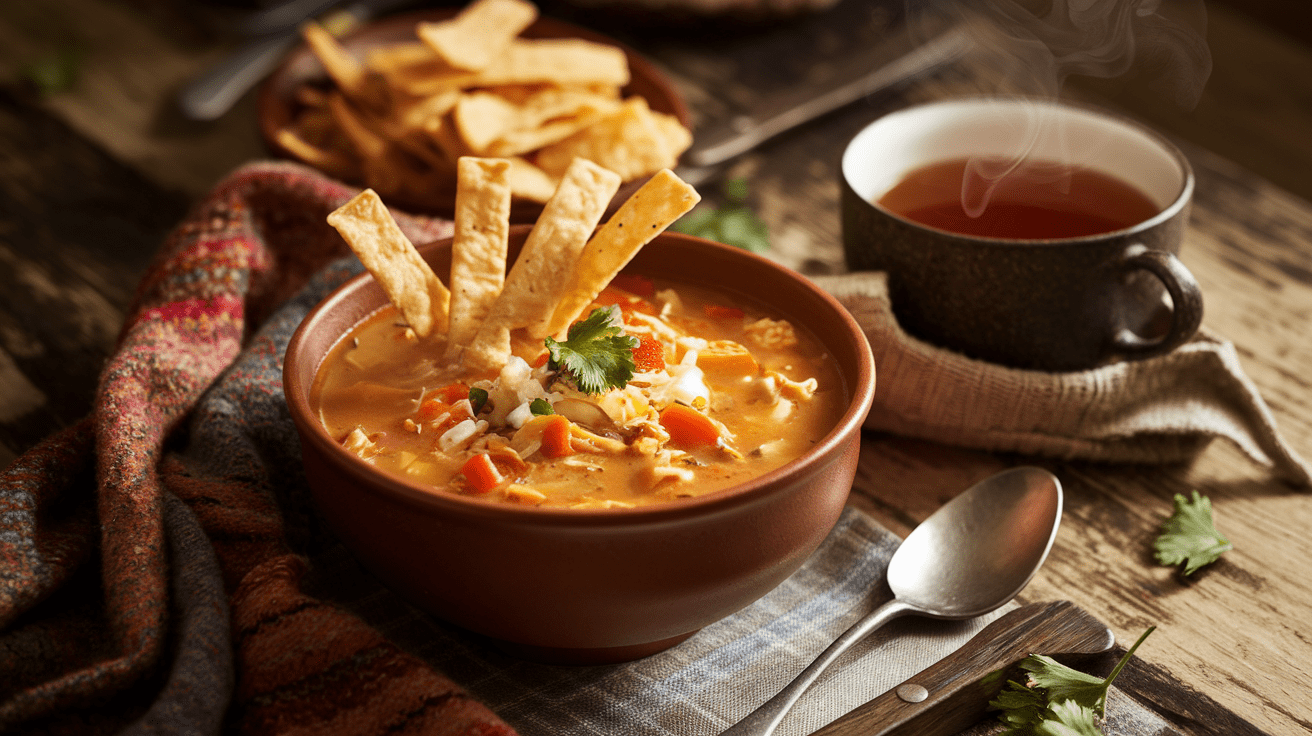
[
  {"x": 970, "y": 557},
  {"x": 980, "y": 549}
]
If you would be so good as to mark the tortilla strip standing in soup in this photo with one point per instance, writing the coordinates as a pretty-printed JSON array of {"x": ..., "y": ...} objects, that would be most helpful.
[{"x": 720, "y": 393}]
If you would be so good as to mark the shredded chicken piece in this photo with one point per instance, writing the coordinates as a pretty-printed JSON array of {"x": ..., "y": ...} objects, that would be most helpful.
[
  {"x": 767, "y": 449},
  {"x": 772, "y": 333},
  {"x": 795, "y": 390},
  {"x": 657, "y": 327},
  {"x": 583, "y": 440},
  {"x": 505, "y": 455},
  {"x": 663, "y": 468},
  {"x": 366, "y": 446},
  {"x": 782, "y": 408},
  {"x": 519, "y": 493},
  {"x": 593, "y": 503},
  {"x": 663, "y": 473}
]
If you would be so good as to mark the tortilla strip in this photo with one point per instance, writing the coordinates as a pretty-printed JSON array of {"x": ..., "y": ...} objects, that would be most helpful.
[
  {"x": 560, "y": 61},
  {"x": 345, "y": 70},
  {"x": 478, "y": 33},
  {"x": 495, "y": 126},
  {"x": 631, "y": 141},
  {"x": 417, "y": 113},
  {"x": 654, "y": 207},
  {"x": 362, "y": 85},
  {"x": 537, "y": 280},
  {"x": 529, "y": 182},
  {"x": 332, "y": 161},
  {"x": 371, "y": 231},
  {"x": 478, "y": 249},
  {"x": 399, "y": 57}
]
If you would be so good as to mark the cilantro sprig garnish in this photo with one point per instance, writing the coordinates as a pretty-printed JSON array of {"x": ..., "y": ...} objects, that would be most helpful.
[
  {"x": 1057, "y": 700},
  {"x": 596, "y": 354},
  {"x": 1189, "y": 536}
]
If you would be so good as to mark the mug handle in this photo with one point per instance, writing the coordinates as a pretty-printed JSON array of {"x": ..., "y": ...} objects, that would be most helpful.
[{"x": 1186, "y": 302}]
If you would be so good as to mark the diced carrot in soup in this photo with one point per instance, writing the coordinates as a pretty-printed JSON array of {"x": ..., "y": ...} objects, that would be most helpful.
[
  {"x": 689, "y": 427},
  {"x": 481, "y": 473},
  {"x": 728, "y": 360},
  {"x": 555, "y": 437},
  {"x": 717, "y": 311},
  {"x": 450, "y": 393}
]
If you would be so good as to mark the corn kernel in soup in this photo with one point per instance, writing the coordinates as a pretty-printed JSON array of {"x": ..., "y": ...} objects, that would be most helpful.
[{"x": 720, "y": 394}]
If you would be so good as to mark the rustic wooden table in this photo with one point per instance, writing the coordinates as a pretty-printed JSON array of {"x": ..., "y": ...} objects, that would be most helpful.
[{"x": 95, "y": 175}]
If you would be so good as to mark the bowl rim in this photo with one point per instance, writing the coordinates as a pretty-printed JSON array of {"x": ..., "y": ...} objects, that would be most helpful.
[{"x": 861, "y": 387}]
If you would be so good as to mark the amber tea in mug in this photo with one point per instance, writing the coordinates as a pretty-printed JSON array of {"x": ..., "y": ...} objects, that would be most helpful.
[
  {"x": 1070, "y": 260},
  {"x": 1033, "y": 201}
]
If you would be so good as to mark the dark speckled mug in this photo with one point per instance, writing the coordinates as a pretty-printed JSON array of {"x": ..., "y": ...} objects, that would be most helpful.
[{"x": 1059, "y": 304}]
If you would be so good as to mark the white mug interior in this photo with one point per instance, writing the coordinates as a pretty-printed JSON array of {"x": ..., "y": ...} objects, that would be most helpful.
[{"x": 895, "y": 145}]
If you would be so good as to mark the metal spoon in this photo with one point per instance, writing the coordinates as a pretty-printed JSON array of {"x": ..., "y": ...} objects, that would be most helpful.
[{"x": 968, "y": 558}]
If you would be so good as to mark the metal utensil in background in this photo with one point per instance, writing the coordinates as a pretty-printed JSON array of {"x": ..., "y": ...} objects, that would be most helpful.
[
  {"x": 718, "y": 143},
  {"x": 282, "y": 16},
  {"x": 953, "y": 694},
  {"x": 210, "y": 95}
]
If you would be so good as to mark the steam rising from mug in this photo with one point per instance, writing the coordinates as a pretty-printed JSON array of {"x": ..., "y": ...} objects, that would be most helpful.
[
  {"x": 1163, "y": 40},
  {"x": 1037, "y": 45}
]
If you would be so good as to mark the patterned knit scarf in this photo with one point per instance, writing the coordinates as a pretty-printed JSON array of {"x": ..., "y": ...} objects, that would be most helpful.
[{"x": 151, "y": 557}]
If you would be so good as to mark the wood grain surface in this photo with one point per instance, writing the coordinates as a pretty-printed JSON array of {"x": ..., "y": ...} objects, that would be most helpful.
[{"x": 94, "y": 176}]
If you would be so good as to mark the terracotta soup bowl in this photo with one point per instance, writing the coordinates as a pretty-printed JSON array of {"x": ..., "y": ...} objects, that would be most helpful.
[{"x": 591, "y": 585}]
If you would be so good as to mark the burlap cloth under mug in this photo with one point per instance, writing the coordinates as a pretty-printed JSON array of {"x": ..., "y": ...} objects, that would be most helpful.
[
  {"x": 163, "y": 571},
  {"x": 1159, "y": 410}
]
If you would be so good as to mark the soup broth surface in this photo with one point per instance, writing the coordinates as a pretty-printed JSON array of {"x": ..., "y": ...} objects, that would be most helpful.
[{"x": 764, "y": 388}]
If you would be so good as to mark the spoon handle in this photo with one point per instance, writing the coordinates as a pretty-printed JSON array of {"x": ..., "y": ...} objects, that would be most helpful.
[{"x": 764, "y": 720}]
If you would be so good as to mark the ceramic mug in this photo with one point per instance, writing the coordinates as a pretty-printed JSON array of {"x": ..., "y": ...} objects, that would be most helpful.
[{"x": 1058, "y": 303}]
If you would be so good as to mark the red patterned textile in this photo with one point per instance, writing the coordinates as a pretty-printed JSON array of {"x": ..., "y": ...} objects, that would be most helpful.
[{"x": 151, "y": 557}]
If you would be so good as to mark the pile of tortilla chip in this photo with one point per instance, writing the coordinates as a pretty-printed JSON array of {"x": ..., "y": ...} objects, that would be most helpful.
[
  {"x": 400, "y": 118},
  {"x": 564, "y": 264}
]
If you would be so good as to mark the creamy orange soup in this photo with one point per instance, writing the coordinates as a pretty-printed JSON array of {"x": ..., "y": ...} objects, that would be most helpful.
[{"x": 720, "y": 393}]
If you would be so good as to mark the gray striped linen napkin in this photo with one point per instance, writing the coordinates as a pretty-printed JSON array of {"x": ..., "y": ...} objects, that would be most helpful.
[{"x": 715, "y": 678}]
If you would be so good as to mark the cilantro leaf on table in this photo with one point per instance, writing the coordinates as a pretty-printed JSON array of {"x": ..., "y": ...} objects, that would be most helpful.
[
  {"x": 1189, "y": 536},
  {"x": 1069, "y": 718},
  {"x": 1057, "y": 700},
  {"x": 732, "y": 223},
  {"x": 596, "y": 353}
]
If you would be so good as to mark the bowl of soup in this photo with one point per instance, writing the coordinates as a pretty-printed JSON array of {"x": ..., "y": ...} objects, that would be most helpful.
[{"x": 584, "y": 526}]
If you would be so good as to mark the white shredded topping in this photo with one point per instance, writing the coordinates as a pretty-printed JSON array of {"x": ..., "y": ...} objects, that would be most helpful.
[
  {"x": 520, "y": 415},
  {"x": 459, "y": 436}
]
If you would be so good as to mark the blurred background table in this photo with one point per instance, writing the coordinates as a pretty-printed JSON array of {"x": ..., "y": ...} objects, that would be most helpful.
[{"x": 96, "y": 172}]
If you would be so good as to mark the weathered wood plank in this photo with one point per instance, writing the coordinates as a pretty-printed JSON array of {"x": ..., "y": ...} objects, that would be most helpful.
[{"x": 77, "y": 229}]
